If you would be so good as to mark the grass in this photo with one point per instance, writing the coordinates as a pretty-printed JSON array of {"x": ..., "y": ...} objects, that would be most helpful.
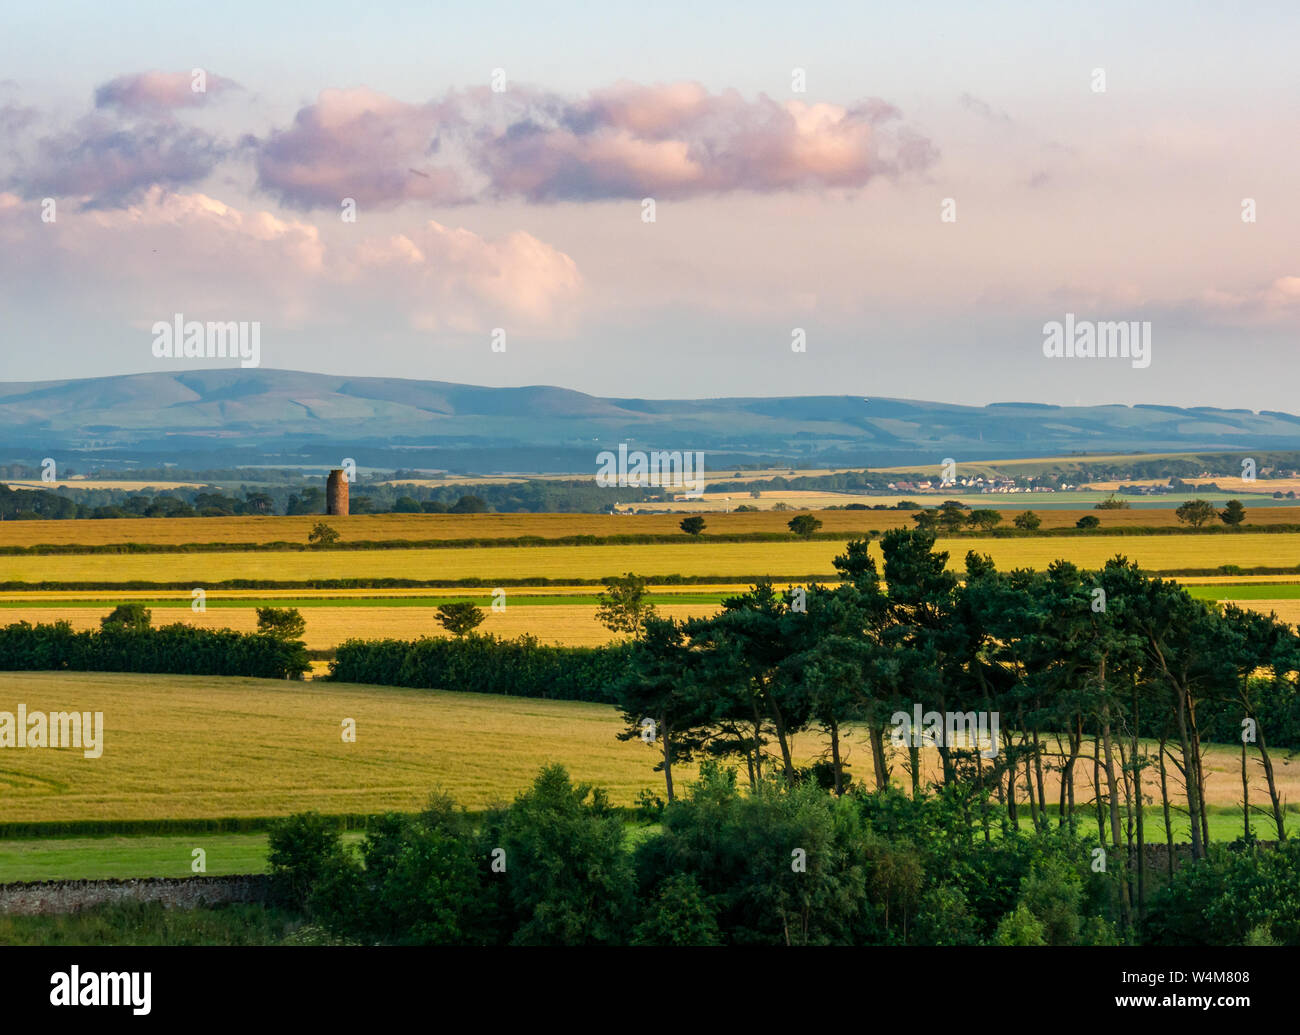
[
  {"x": 1262, "y": 590},
  {"x": 153, "y": 924},
  {"x": 128, "y": 856}
]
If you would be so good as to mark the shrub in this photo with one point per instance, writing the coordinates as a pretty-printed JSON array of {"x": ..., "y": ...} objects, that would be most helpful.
[
  {"x": 177, "y": 648},
  {"x": 323, "y": 535},
  {"x": 460, "y": 618},
  {"x": 679, "y": 915},
  {"x": 571, "y": 881},
  {"x": 299, "y": 850},
  {"x": 804, "y": 525},
  {"x": 484, "y": 664},
  {"x": 133, "y": 617},
  {"x": 285, "y": 623}
]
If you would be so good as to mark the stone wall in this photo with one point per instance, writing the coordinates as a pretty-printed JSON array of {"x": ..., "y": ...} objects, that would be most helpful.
[{"x": 69, "y": 896}]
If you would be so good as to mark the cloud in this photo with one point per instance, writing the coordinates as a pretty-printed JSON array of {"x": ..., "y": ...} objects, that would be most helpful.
[
  {"x": 156, "y": 92},
  {"x": 180, "y": 252},
  {"x": 105, "y": 163},
  {"x": 1275, "y": 302},
  {"x": 629, "y": 141},
  {"x": 985, "y": 110},
  {"x": 452, "y": 276},
  {"x": 359, "y": 144},
  {"x": 678, "y": 140}
]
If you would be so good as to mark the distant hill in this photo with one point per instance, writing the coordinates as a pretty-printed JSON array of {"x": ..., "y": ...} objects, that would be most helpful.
[{"x": 229, "y": 417}]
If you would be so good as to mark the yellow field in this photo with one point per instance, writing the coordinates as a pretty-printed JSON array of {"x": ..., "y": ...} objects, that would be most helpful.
[
  {"x": 572, "y": 625},
  {"x": 379, "y": 527},
  {"x": 733, "y": 561},
  {"x": 178, "y": 747},
  {"x": 1257, "y": 487},
  {"x": 181, "y": 598}
]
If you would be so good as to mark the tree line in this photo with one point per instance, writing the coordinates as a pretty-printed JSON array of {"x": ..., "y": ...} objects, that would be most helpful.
[{"x": 1111, "y": 681}]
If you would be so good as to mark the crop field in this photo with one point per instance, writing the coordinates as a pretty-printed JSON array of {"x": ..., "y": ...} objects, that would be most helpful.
[
  {"x": 573, "y": 625},
  {"x": 195, "y": 747},
  {"x": 416, "y": 527},
  {"x": 555, "y": 620},
  {"x": 724, "y": 561},
  {"x": 1232, "y": 486},
  {"x": 178, "y": 747}
]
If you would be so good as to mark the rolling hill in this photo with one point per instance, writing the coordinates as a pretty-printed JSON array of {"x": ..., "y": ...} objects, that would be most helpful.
[{"x": 260, "y": 416}]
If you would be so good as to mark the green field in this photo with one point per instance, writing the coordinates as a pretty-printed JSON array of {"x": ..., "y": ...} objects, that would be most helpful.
[{"x": 141, "y": 855}]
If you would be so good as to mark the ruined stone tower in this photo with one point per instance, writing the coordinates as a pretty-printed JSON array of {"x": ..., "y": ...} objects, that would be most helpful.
[{"x": 336, "y": 494}]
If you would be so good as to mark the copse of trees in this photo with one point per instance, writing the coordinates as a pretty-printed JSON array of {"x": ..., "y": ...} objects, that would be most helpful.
[{"x": 1111, "y": 670}]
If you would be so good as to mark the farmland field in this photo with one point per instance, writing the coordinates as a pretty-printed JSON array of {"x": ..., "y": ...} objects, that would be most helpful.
[
  {"x": 189, "y": 747},
  {"x": 724, "y": 561},
  {"x": 570, "y": 624},
  {"x": 380, "y": 527},
  {"x": 554, "y": 621}
]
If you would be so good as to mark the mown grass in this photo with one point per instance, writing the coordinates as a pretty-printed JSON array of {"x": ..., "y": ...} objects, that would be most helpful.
[{"x": 127, "y": 856}]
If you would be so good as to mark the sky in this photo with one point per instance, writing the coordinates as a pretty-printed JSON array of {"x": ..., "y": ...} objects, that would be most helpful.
[{"x": 864, "y": 199}]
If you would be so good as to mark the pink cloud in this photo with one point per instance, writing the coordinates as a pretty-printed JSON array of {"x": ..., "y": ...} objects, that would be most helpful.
[
  {"x": 189, "y": 252},
  {"x": 629, "y": 141},
  {"x": 155, "y": 92},
  {"x": 358, "y": 144}
]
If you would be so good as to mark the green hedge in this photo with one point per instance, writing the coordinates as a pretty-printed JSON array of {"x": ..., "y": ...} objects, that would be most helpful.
[
  {"x": 486, "y": 665},
  {"x": 178, "y": 649}
]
